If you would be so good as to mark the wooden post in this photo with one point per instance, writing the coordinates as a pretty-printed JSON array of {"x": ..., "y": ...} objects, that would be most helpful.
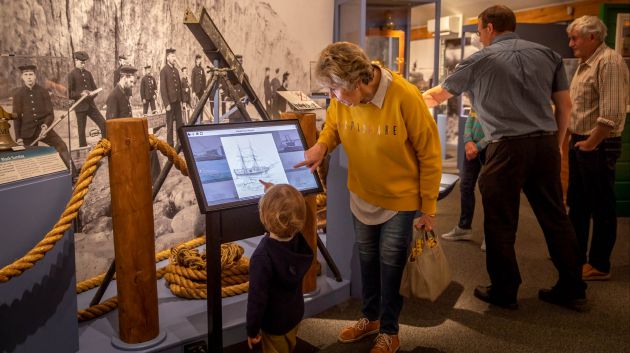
[
  {"x": 307, "y": 123},
  {"x": 134, "y": 238}
]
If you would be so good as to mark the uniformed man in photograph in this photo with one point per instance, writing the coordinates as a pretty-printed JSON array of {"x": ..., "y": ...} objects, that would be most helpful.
[
  {"x": 185, "y": 87},
  {"x": 34, "y": 113},
  {"x": 198, "y": 78},
  {"x": 122, "y": 60},
  {"x": 80, "y": 83},
  {"x": 171, "y": 92},
  {"x": 118, "y": 105},
  {"x": 148, "y": 90}
]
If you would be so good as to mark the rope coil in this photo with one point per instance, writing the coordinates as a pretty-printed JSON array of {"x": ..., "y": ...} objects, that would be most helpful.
[
  {"x": 186, "y": 275},
  {"x": 184, "y": 281}
]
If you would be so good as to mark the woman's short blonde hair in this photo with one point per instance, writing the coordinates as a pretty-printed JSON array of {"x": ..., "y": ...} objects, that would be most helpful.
[
  {"x": 343, "y": 65},
  {"x": 282, "y": 210},
  {"x": 587, "y": 25}
]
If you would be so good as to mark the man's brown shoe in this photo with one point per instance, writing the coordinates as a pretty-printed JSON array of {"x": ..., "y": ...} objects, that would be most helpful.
[
  {"x": 594, "y": 274},
  {"x": 359, "y": 330},
  {"x": 586, "y": 268},
  {"x": 385, "y": 343}
]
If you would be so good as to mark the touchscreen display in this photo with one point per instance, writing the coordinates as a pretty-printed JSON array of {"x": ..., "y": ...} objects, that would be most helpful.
[{"x": 231, "y": 159}]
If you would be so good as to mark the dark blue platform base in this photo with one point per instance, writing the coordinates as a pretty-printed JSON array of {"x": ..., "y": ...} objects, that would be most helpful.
[
  {"x": 185, "y": 321},
  {"x": 37, "y": 308}
]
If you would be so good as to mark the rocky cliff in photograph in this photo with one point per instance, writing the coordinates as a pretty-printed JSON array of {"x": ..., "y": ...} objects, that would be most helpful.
[
  {"x": 50, "y": 31},
  {"x": 47, "y": 32}
]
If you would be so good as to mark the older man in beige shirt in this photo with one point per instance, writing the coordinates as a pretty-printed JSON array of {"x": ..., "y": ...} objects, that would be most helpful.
[{"x": 599, "y": 94}]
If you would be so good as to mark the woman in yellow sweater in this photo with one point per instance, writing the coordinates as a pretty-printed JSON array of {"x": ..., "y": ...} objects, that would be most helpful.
[{"x": 394, "y": 170}]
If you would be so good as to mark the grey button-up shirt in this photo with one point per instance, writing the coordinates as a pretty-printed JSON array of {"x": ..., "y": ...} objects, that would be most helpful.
[{"x": 511, "y": 82}]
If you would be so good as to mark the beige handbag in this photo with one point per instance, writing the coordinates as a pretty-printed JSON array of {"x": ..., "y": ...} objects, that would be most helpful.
[{"x": 426, "y": 274}]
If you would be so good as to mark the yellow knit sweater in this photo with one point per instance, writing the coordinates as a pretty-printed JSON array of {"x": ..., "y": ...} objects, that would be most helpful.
[{"x": 394, "y": 157}]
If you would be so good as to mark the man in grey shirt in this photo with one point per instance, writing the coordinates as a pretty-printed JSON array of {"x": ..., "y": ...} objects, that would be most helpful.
[{"x": 513, "y": 83}]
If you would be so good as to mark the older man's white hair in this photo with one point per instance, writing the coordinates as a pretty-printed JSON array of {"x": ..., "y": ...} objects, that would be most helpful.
[{"x": 587, "y": 25}]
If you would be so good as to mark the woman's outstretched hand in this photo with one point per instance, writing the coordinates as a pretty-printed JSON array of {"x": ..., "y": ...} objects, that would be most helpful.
[{"x": 313, "y": 157}]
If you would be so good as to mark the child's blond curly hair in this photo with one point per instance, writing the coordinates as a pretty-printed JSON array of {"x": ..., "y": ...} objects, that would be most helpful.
[{"x": 282, "y": 210}]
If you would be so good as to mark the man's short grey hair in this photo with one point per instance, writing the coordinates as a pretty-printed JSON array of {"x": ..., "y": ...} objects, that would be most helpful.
[{"x": 587, "y": 25}]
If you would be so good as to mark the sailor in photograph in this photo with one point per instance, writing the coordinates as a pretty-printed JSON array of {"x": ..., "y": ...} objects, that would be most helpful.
[
  {"x": 198, "y": 78},
  {"x": 171, "y": 92},
  {"x": 118, "y": 105},
  {"x": 122, "y": 61},
  {"x": 34, "y": 111},
  {"x": 80, "y": 83},
  {"x": 185, "y": 87},
  {"x": 148, "y": 90}
]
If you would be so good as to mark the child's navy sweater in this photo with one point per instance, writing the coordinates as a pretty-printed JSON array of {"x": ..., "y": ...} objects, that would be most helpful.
[{"x": 275, "y": 302}]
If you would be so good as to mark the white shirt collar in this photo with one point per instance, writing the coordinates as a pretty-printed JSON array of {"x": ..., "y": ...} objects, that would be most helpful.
[{"x": 383, "y": 85}]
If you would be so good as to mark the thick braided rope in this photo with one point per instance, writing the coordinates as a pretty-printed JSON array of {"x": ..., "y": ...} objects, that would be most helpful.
[
  {"x": 241, "y": 268},
  {"x": 98, "y": 309},
  {"x": 101, "y": 150},
  {"x": 190, "y": 293},
  {"x": 187, "y": 279},
  {"x": 230, "y": 255},
  {"x": 169, "y": 152},
  {"x": 189, "y": 258},
  {"x": 232, "y": 280},
  {"x": 160, "y": 256},
  {"x": 88, "y": 284},
  {"x": 185, "y": 282},
  {"x": 195, "y": 275},
  {"x": 186, "y": 288}
]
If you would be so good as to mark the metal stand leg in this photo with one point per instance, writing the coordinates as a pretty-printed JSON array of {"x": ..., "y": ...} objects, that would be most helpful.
[{"x": 329, "y": 260}]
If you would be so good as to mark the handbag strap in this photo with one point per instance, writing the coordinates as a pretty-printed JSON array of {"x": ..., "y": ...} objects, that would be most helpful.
[
  {"x": 430, "y": 238},
  {"x": 420, "y": 242}
]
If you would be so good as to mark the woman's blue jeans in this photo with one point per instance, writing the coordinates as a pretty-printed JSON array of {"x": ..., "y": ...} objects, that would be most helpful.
[{"x": 382, "y": 254}]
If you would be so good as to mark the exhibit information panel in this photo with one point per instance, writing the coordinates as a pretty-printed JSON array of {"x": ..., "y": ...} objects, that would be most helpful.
[
  {"x": 227, "y": 161},
  {"x": 29, "y": 163}
]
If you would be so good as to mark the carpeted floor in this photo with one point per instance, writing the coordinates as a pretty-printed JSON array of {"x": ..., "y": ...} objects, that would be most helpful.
[{"x": 458, "y": 322}]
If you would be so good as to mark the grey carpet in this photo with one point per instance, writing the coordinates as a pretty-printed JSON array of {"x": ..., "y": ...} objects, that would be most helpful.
[{"x": 458, "y": 322}]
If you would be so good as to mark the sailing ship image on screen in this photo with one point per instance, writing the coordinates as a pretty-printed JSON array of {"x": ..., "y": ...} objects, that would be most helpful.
[
  {"x": 254, "y": 167},
  {"x": 251, "y": 159}
]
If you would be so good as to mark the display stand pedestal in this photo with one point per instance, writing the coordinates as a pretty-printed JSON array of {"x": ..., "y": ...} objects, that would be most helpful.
[
  {"x": 221, "y": 227},
  {"x": 38, "y": 309}
]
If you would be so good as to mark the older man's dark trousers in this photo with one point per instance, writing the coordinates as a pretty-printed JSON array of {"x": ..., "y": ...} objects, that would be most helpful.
[
  {"x": 96, "y": 117},
  {"x": 173, "y": 114},
  {"x": 531, "y": 164},
  {"x": 591, "y": 195}
]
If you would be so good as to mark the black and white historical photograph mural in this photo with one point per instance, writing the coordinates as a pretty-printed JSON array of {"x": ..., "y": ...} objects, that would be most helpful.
[{"x": 90, "y": 61}]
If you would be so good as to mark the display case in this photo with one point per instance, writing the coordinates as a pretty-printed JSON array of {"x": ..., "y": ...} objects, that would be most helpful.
[{"x": 386, "y": 48}]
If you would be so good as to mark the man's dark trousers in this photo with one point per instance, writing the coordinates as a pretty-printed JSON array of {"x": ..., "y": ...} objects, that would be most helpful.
[
  {"x": 531, "y": 164},
  {"x": 96, "y": 116},
  {"x": 174, "y": 114},
  {"x": 591, "y": 195}
]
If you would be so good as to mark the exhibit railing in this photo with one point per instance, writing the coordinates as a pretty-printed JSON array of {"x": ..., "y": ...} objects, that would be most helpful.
[{"x": 186, "y": 271}]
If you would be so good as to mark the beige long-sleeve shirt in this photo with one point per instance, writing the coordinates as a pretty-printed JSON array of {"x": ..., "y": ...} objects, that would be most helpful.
[{"x": 599, "y": 93}]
